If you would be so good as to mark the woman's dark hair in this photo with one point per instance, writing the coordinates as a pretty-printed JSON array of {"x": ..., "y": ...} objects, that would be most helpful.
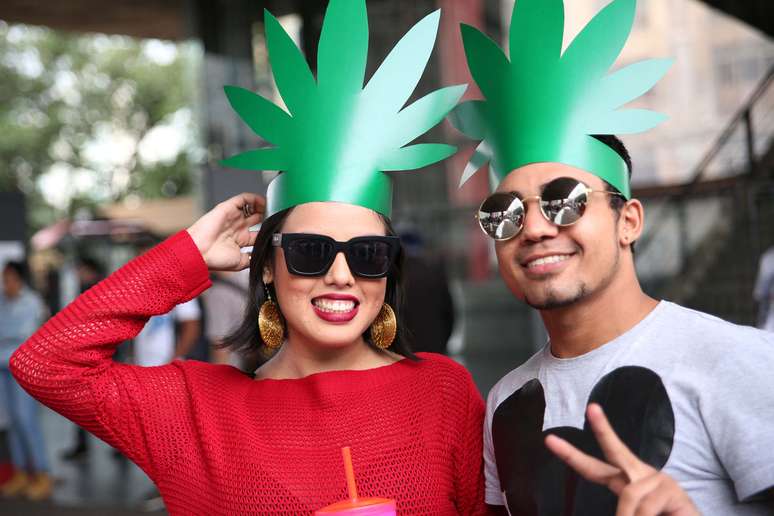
[{"x": 247, "y": 339}]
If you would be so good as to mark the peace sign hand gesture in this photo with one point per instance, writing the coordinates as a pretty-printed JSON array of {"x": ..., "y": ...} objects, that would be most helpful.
[
  {"x": 641, "y": 489},
  {"x": 223, "y": 231}
]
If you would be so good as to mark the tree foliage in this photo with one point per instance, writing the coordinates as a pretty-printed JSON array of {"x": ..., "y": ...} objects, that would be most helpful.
[{"x": 76, "y": 112}]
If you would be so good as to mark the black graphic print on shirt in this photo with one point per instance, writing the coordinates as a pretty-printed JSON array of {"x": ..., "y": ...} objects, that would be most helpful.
[{"x": 537, "y": 483}]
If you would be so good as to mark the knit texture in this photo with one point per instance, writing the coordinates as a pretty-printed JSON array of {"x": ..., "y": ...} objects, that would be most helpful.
[{"x": 216, "y": 441}]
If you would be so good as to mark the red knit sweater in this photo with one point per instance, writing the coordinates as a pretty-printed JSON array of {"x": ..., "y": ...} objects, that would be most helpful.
[{"x": 215, "y": 441}]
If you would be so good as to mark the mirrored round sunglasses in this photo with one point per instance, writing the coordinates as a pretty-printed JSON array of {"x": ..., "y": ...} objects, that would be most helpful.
[{"x": 562, "y": 202}]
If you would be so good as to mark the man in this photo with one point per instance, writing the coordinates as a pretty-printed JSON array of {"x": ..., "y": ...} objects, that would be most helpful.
[{"x": 691, "y": 395}]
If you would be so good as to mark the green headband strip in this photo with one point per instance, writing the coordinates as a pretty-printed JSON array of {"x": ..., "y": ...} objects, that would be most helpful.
[
  {"x": 542, "y": 105},
  {"x": 337, "y": 138}
]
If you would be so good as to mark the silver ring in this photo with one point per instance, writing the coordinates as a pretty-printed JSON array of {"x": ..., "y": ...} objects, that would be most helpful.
[{"x": 247, "y": 209}]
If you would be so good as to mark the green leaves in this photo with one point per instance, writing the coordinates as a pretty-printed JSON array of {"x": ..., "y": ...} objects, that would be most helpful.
[
  {"x": 426, "y": 113},
  {"x": 340, "y": 137},
  {"x": 258, "y": 159},
  {"x": 398, "y": 76},
  {"x": 263, "y": 117},
  {"x": 343, "y": 49},
  {"x": 488, "y": 65},
  {"x": 541, "y": 106},
  {"x": 291, "y": 71}
]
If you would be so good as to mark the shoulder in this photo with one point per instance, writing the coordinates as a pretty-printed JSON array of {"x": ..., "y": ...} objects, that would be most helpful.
[
  {"x": 208, "y": 375},
  {"x": 514, "y": 380},
  {"x": 707, "y": 344},
  {"x": 444, "y": 373},
  {"x": 31, "y": 298},
  {"x": 441, "y": 365},
  {"x": 708, "y": 330}
]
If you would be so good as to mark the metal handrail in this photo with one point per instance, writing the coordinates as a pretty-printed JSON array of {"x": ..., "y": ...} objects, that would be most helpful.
[{"x": 741, "y": 116}]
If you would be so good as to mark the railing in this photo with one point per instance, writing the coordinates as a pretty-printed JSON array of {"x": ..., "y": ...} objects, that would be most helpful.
[{"x": 688, "y": 222}]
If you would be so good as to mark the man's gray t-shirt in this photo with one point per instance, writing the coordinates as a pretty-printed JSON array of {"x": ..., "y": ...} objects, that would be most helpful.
[{"x": 689, "y": 393}]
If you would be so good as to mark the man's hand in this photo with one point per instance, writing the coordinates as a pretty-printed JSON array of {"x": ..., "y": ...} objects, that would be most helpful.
[{"x": 641, "y": 489}]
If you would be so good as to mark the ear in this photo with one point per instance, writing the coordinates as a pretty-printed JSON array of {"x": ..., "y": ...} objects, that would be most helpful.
[
  {"x": 631, "y": 222},
  {"x": 268, "y": 275}
]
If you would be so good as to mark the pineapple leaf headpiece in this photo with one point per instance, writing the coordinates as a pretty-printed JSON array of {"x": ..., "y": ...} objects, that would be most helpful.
[
  {"x": 337, "y": 138},
  {"x": 543, "y": 105}
]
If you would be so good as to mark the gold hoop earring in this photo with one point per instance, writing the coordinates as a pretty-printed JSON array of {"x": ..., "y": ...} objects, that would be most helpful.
[
  {"x": 384, "y": 328},
  {"x": 270, "y": 324}
]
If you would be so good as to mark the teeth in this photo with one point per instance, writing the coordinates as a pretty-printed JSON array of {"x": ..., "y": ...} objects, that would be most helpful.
[
  {"x": 548, "y": 259},
  {"x": 334, "y": 305}
]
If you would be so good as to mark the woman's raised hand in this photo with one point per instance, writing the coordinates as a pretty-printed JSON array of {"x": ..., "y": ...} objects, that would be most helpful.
[
  {"x": 642, "y": 490},
  {"x": 223, "y": 231}
]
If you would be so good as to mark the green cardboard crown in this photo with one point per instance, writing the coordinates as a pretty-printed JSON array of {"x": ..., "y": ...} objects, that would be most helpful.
[
  {"x": 337, "y": 138},
  {"x": 543, "y": 105}
]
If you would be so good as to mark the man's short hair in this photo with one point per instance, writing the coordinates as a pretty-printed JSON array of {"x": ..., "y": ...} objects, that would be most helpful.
[{"x": 616, "y": 201}]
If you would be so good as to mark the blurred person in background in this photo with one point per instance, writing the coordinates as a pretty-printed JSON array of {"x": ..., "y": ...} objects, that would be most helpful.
[
  {"x": 764, "y": 291},
  {"x": 21, "y": 313},
  {"x": 90, "y": 272},
  {"x": 168, "y": 336},
  {"x": 224, "y": 304},
  {"x": 429, "y": 304}
]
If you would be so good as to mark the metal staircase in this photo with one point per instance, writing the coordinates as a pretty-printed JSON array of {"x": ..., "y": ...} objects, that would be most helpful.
[{"x": 706, "y": 236}]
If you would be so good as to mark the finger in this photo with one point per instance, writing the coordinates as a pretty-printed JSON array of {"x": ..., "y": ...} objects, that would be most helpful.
[
  {"x": 255, "y": 202},
  {"x": 631, "y": 497},
  {"x": 588, "y": 467},
  {"x": 616, "y": 452},
  {"x": 244, "y": 261},
  {"x": 667, "y": 497},
  {"x": 245, "y": 238}
]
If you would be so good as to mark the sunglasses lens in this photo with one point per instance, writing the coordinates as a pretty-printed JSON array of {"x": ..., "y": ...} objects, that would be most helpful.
[
  {"x": 564, "y": 201},
  {"x": 309, "y": 255},
  {"x": 501, "y": 216},
  {"x": 370, "y": 258}
]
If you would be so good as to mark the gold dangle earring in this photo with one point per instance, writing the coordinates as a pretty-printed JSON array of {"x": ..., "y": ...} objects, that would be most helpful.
[
  {"x": 270, "y": 324},
  {"x": 384, "y": 327}
]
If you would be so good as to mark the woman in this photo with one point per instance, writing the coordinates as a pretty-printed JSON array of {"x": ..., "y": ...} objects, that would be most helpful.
[{"x": 324, "y": 268}]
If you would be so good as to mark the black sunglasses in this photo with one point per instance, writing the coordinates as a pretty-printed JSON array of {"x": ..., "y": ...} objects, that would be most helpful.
[
  {"x": 312, "y": 255},
  {"x": 562, "y": 202}
]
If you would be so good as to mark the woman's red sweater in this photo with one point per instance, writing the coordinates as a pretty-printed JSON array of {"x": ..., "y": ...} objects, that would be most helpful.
[{"x": 216, "y": 441}]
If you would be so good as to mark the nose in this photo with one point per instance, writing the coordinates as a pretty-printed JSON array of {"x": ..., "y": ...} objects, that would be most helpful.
[
  {"x": 339, "y": 274},
  {"x": 536, "y": 226}
]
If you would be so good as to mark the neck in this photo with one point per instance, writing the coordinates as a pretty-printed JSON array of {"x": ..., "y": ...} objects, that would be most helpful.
[
  {"x": 601, "y": 317},
  {"x": 298, "y": 358}
]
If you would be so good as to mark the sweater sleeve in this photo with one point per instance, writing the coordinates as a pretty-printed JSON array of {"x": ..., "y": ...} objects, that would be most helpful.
[
  {"x": 469, "y": 459},
  {"x": 67, "y": 364}
]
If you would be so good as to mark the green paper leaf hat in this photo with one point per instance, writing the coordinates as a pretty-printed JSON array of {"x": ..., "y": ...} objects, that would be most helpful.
[
  {"x": 543, "y": 105},
  {"x": 337, "y": 138}
]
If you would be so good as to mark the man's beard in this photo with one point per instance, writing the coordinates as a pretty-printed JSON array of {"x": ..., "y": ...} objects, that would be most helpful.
[{"x": 554, "y": 301}]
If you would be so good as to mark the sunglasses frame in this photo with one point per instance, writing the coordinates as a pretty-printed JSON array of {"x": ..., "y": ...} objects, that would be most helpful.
[
  {"x": 587, "y": 191},
  {"x": 284, "y": 240}
]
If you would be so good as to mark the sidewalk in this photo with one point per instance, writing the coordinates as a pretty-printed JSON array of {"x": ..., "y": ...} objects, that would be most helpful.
[{"x": 101, "y": 484}]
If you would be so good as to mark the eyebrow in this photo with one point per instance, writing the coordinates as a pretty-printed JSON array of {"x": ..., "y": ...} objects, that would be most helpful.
[{"x": 515, "y": 192}]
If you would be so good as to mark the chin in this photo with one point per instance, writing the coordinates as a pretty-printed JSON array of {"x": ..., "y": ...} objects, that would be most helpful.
[
  {"x": 553, "y": 299},
  {"x": 335, "y": 337}
]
